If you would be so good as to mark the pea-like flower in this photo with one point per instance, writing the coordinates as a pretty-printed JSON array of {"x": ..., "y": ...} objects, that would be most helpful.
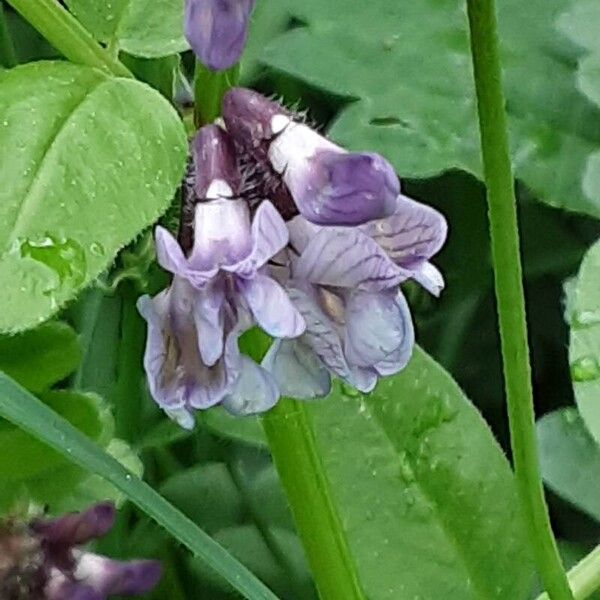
[
  {"x": 44, "y": 560},
  {"x": 221, "y": 289},
  {"x": 328, "y": 185},
  {"x": 217, "y": 30},
  {"x": 356, "y": 239}
]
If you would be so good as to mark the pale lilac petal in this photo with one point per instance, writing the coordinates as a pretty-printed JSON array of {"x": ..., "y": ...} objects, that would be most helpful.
[
  {"x": 341, "y": 188},
  {"x": 110, "y": 577},
  {"x": 344, "y": 257},
  {"x": 217, "y": 30},
  {"x": 214, "y": 159},
  {"x": 297, "y": 369},
  {"x": 183, "y": 417},
  {"x": 271, "y": 307},
  {"x": 379, "y": 330},
  {"x": 209, "y": 317},
  {"x": 254, "y": 392},
  {"x": 77, "y": 528},
  {"x": 429, "y": 277},
  {"x": 61, "y": 588},
  {"x": 301, "y": 232},
  {"x": 415, "y": 232},
  {"x": 269, "y": 236}
]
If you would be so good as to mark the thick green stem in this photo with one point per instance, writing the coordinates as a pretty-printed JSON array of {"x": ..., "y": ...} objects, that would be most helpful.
[
  {"x": 8, "y": 56},
  {"x": 509, "y": 293},
  {"x": 67, "y": 35},
  {"x": 209, "y": 89},
  {"x": 292, "y": 444},
  {"x": 584, "y": 577}
]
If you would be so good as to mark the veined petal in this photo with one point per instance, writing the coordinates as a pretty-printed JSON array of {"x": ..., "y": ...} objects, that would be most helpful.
[
  {"x": 217, "y": 30},
  {"x": 345, "y": 257},
  {"x": 415, "y": 232},
  {"x": 297, "y": 369},
  {"x": 379, "y": 330},
  {"x": 254, "y": 392},
  {"x": 271, "y": 307}
]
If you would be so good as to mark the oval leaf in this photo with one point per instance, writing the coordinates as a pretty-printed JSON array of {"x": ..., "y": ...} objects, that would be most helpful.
[
  {"x": 41, "y": 357},
  {"x": 147, "y": 28},
  {"x": 426, "y": 496},
  {"x": 87, "y": 161},
  {"x": 584, "y": 341},
  {"x": 570, "y": 459}
]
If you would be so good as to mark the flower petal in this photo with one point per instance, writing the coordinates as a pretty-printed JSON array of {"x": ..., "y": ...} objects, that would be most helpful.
[
  {"x": 217, "y": 30},
  {"x": 415, "y": 232},
  {"x": 209, "y": 319},
  {"x": 254, "y": 392},
  {"x": 297, "y": 369},
  {"x": 340, "y": 188},
  {"x": 344, "y": 257},
  {"x": 115, "y": 577},
  {"x": 271, "y": 307},
  {"x": 379, "y": 330},
  {"x": 429, "y": 277},
  {"x": 77, "y": 528},
  {"x": 269, "y": 236}
]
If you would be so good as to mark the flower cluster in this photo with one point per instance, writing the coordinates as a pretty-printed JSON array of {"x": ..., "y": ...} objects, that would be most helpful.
[
  {"x": 44, "y": 561},
  {"x": 297, "y": 236}
]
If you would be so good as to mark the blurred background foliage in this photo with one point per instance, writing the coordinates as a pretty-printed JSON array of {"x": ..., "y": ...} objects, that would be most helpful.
[{"x": 392, "y": 77}]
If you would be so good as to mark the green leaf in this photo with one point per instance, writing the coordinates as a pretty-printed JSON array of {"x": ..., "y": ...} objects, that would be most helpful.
[
  {"x": 570, "y": 459},
  {"x": 27, "y": 412},
  {"x": 419, "y": 482},
  {"x": 410, "y": 77},
  {"x": 39, "y": 358},
  {"x": 147, "y": 28},
  {"x": 584, "y": 342},
  {"x": 241, "y": 429},
  {"x": 87, "y": 161}
]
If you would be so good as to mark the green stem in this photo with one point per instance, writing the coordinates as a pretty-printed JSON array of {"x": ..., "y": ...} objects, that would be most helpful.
[
  {"x": 584, "y": 577},
  {"x": 294, "y": 451},
  {"x": 67, "y": 35},
  {"x": 128, "y": 391},
  {"x": 209, "y": 89},
  {"x": 8, "y": 56},
  {"x": 509, "y": 293}
]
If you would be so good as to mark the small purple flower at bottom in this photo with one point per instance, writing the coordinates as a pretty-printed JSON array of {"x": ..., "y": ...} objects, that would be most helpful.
[
  {"x": 217, "y": 30},
  {"x": 44, "y": 561},
  {"x": 219, "y": 291}
]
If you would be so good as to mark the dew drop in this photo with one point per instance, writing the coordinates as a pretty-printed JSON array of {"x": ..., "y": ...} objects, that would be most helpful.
[{"x": 585, "y": 368}]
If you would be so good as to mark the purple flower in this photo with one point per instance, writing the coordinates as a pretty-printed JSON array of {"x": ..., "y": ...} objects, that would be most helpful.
[
  {"x": 217, "y": 30},
  {"x": 44, "y": 560},
  {"x": 328, "y": 185},
  {"x": 219, "y": 290}
]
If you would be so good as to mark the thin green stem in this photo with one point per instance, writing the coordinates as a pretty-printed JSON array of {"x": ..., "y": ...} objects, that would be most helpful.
[
  {"x": 209, "y": 89},
  {"x": 128, "y": 390},
  {"x": 584, "y": 577},
  {"x": 67, "y": 35},
  {"x": 8, "y": 56},
  {"x": 509, "y": 293},
  {"x": 294, "y": 451}
]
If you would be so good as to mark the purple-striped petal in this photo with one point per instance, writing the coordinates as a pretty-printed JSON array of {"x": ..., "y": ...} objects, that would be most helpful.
[
  {"x": 271, "y": 307},
  {"x": 415, "y": 232},
  {"x": 379, "y": 330},
  {"x": 254, "y": 392},
  {"x": 297, "y": 369},
  {"x": 209, "y": 318},
  {"x": 344, "y": 257},
  {"x": 217, "y": 30}
]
